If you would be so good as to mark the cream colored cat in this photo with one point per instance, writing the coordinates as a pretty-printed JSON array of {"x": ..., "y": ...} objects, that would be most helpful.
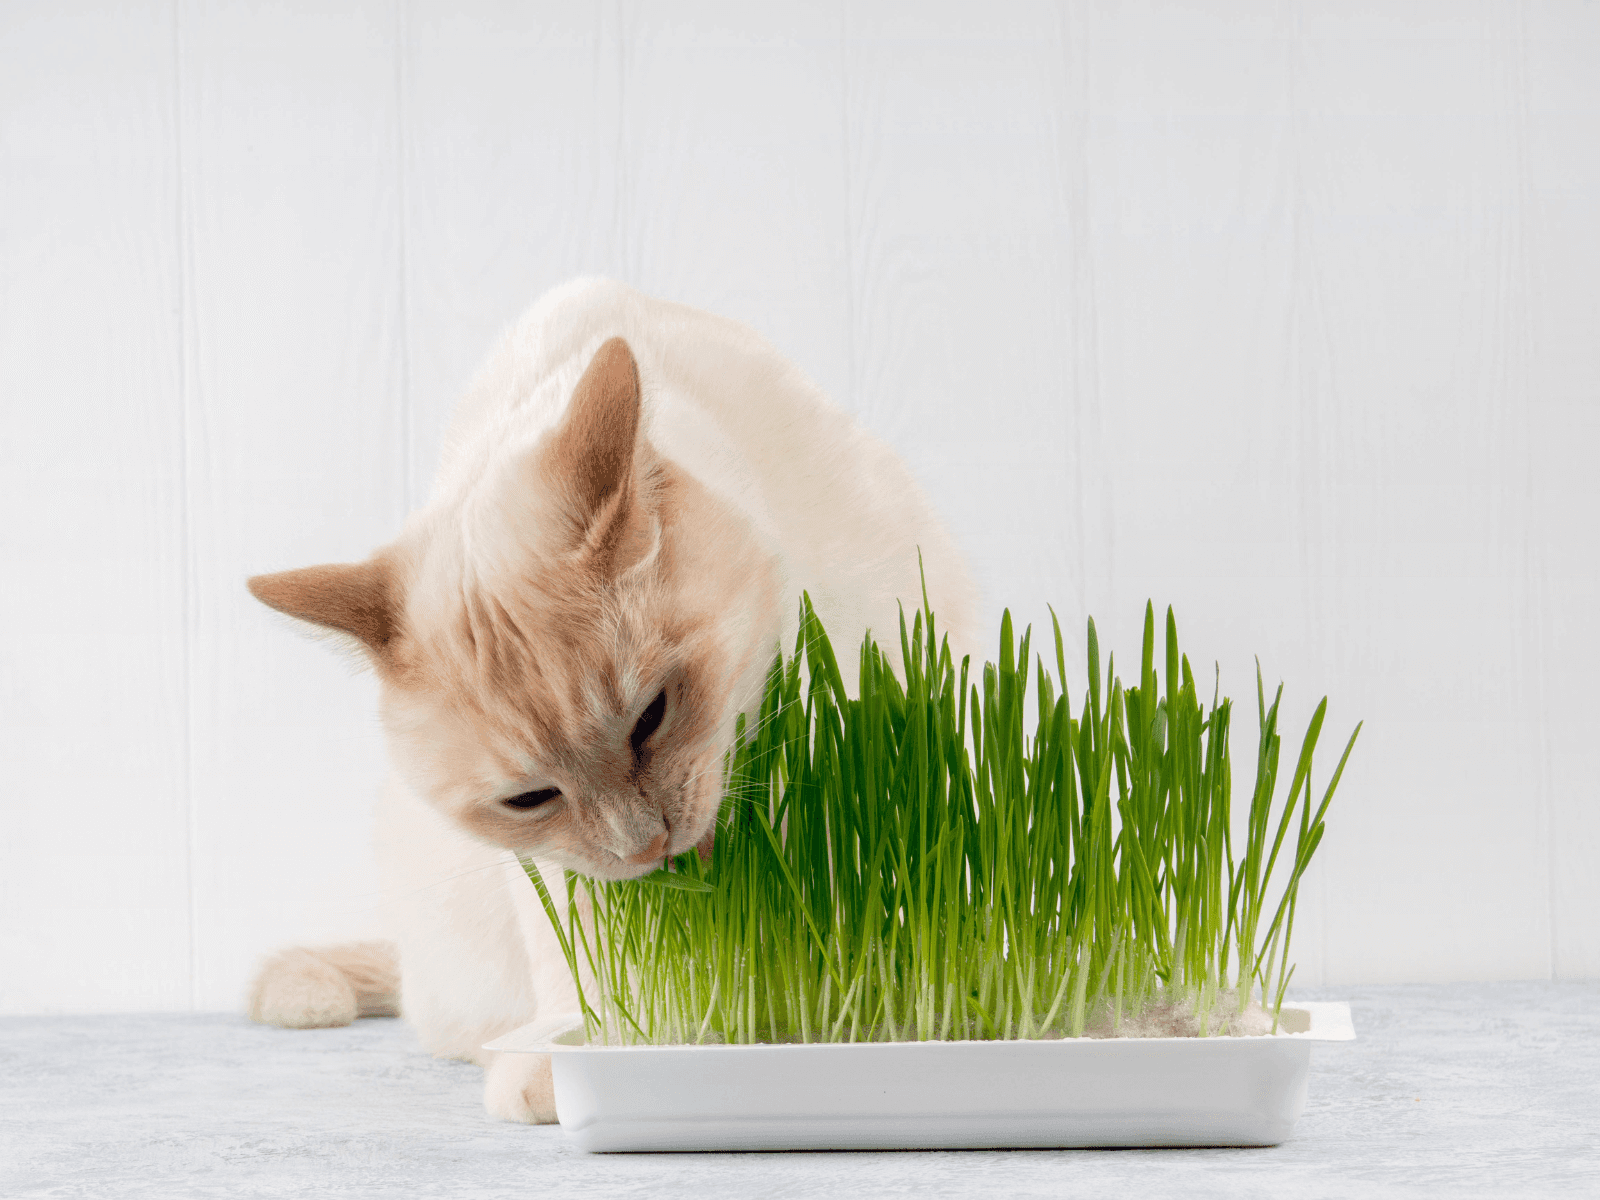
[{"x": 632, "y": 497}]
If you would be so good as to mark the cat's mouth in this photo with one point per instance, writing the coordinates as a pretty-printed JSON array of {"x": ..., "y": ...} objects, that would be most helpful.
[
  {"x": 617, "y": 868},
  {"x": 675, "y": 841},
  {"x": 626, "y": 869},
  {"x": 676, "y": 818}
]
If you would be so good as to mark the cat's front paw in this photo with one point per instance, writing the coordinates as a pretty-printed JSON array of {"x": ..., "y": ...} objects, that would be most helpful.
[
  {"x": 518, "y": 1087},
  {"x": 299, "y": 990}
]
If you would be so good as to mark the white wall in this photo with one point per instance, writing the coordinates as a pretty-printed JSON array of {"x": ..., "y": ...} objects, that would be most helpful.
[{"x": 1283, "y": 313}]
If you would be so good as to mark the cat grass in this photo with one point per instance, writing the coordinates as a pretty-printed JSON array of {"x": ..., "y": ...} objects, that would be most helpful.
[{"x": 946, "y": 857}]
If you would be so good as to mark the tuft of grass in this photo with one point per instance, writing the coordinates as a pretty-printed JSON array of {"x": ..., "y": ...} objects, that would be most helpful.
[{"x": 941, "y": 858}]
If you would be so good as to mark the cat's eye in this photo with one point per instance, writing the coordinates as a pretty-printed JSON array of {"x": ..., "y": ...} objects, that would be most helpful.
[
  {"x": 533, "y": 799},
  {"x": 649, "y": 721}
]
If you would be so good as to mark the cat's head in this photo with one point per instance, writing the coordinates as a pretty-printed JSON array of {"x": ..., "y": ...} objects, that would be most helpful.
[{"x": 563, "y": 646}]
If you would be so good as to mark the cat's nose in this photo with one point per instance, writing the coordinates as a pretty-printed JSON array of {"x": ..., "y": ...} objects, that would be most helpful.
[{"x": 654, "y": 852}]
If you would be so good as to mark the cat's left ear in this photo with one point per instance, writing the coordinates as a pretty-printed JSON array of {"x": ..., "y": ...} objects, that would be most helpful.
[{"x": 600, "y": 463}]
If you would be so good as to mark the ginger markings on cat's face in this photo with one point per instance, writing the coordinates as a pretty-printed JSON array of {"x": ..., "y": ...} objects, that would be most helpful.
[
  {"x": 585, "y": 727},
  {"x": 563, "y": 647}
]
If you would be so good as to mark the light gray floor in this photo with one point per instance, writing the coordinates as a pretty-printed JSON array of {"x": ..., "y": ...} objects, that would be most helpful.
[{"x": 1481, "y": 1089}]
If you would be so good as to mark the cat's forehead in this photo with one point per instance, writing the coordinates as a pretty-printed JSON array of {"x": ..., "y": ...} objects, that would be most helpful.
[
  {"x": 564, "y": 662},
  {"x": 535, "y": 654}
]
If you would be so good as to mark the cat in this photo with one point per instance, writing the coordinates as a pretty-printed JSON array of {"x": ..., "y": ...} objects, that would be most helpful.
[{"x": 632, "y": 497}]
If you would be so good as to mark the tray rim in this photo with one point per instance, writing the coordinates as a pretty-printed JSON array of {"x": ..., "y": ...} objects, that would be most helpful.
[{"x": 1331, "y": 1021}]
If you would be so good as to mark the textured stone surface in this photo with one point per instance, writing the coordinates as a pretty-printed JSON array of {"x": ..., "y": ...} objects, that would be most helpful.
[{"x": 1484, "y": 1089}]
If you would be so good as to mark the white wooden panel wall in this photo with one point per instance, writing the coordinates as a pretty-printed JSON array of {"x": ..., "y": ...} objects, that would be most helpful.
[
  {"x": 96, "y": 884},
  {"x": 1281, "y": 313},
  {"x": 291, "y": 174}
]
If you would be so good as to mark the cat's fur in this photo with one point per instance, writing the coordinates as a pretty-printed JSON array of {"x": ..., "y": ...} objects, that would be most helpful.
[{"x": 632, "y": 497}]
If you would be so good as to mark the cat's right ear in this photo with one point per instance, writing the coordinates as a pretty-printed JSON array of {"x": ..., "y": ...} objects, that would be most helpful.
[
  {"x": 352, "y": 598},
  {"x": 597, "y": 459}
]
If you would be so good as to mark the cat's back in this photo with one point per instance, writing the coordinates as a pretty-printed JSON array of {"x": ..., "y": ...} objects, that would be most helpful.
[
  {"x": 686, "y": 356},
  {"x": 724, "y": 404}
]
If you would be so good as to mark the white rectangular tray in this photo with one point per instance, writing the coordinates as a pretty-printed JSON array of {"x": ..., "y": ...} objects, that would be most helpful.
[{"x": 1219, "y": 1091}]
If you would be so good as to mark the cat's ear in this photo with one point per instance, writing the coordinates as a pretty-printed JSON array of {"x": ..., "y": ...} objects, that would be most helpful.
[
  {"x": 596, "y": 459},
  {"x": 352, "y": 598}
]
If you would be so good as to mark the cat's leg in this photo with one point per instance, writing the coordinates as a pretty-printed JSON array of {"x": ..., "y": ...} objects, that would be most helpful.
[
  {"x": 519, "y": 1087},
  {"x": 323, "y": 986},
  {"x": 553, "y": 984},
  {"x": 459, "y": 908}
]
